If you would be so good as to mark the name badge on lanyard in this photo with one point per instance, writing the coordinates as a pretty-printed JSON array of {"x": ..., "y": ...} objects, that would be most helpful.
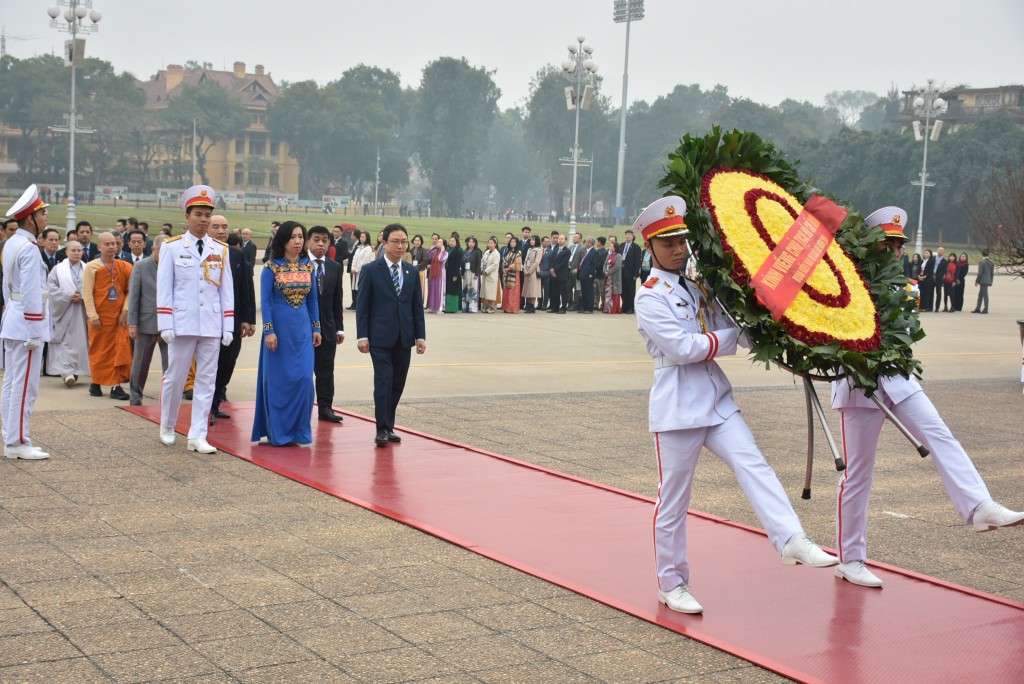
[{"x": 112, "y": 290}]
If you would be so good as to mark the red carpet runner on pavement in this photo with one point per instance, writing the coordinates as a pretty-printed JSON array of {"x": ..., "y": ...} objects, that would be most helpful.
[{"x": 595, "y": 540}]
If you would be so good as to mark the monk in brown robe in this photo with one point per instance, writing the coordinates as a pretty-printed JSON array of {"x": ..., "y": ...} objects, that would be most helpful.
[{"x": 105, "y": 291}]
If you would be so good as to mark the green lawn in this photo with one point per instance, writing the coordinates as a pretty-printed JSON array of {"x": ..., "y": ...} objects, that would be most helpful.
[{"x": 104, "y": 217}]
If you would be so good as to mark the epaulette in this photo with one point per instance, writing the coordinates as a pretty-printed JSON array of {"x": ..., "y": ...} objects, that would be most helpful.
[
  {"x": 172, "y": 239},
  {"x": 651, "y": 282},
  {"x": 222, "y": 244}
]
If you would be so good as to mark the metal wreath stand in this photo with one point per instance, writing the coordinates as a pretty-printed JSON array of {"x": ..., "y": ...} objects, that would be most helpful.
[{"x": 814, "y": 407}]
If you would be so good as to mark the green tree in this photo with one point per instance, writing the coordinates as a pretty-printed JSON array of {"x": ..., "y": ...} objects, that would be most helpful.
[
  {"x": 456, "y": 106},
  {"x": 373, "y": 111},
  {"x": 306, "y": 117},
  {"x": 510, "y": 170},
  {"x": 654, "y": 130},
  {"x": 113, "y": 106},
  {"x": 34, "y": 95},
  {"x": 848, "y": 105},
  {"x": 217, "y": 113}
]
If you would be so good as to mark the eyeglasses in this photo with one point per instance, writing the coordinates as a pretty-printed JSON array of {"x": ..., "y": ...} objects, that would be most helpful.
[{"x": 401, "y": 243}]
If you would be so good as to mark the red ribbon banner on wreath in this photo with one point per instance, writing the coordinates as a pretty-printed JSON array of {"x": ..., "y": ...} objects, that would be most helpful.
[{"x": 797, "y": 254}]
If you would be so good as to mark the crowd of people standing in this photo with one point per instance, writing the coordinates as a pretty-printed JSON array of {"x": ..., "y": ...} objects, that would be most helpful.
[
  {"x": 942, "y": 280},
  {"x": 525, "y": 274}
]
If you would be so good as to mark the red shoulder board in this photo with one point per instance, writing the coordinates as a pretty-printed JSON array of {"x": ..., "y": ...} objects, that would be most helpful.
[{"x": 651, "y": 282}]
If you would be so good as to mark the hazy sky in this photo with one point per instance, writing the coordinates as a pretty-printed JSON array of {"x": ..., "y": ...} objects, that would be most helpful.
[{"x": 766, "y": 51}]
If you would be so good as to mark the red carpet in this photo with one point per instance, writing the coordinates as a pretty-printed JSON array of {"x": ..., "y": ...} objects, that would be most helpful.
[{"x": 595, "y": 540}]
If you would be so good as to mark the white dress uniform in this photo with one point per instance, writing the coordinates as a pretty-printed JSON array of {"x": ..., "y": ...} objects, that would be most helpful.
[
  {"x": 195, "y": 299},
  {"x": 691, "y": 407},
  {"x": 25, "y": 325},
  {"x": 862, "y": 424}
]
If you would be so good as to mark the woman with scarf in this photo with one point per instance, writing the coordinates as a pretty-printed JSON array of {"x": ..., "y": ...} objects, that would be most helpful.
[
  {"x": 417, "y": 256},
  {"x": 511, "y": 266},
  {"x": 613, "y": 279},
  {"x": 471, "y": 263},
  {"x": 436, "y": 256},
  {"x": 489, "y": 267},
  {"x": 531, "y": 274},
  {"x": 453, "y": 276},
  {"x": 362, "y": 254}
]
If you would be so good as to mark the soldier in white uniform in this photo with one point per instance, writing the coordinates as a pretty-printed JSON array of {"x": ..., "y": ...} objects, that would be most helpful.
[
  {"x": 691, "y": 406},
  {"x": 862, "y": 424},
  {"x": 195, "y": 313},
  {"x": 25, "y": 325}
]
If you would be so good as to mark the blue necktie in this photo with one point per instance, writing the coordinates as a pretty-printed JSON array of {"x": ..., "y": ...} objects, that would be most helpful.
[{"x": 395, "y": 280}]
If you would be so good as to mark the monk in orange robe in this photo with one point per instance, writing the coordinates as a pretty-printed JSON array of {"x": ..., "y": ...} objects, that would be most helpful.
[{"x": 105, "y": 291}]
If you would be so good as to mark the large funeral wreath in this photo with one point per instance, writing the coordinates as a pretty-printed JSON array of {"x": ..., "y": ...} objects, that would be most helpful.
[{"x": 741, "y": 196}]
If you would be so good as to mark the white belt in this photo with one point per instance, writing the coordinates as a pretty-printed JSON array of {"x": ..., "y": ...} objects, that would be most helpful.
[
  {"x": 661, "y": 362},
  {"x": 17, "y": 296}
]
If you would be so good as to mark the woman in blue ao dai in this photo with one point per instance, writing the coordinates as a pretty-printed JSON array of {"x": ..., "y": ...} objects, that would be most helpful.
[{"x": 291, "y": 328}]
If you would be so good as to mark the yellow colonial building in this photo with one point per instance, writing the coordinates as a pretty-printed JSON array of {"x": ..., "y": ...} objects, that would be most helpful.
[{"x": 254, "y": 166}]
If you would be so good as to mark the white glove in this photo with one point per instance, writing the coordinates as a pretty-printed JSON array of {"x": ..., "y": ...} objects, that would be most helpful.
[
  {"x": 226, "y": 339},
  {"x": 33, "y": 344},
  {"x": 727, "y": 341},
  {"x": 167, "y": 335}
]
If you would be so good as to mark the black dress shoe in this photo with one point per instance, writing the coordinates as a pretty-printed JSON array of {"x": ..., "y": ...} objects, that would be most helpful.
[
  {"x": 217, "y": 413},
  {"x": 119, "y": 394},
  {"x": 392, "y": 437},
  {"x": 330, "y": 416},
  {"x": 187, "y": 395},
  {"x": 95, "y": 391},
  {"x": 382, "y": 438},
  {"x": 213, "y": 419}
]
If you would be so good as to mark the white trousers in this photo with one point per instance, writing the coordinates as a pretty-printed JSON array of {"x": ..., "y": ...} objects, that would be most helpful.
[
  {"x": 861, "y": 428},
  {"x": 678, "y": 451},
  {"x": 20, "y": 388},
  {"x": 179, "y": 361}
]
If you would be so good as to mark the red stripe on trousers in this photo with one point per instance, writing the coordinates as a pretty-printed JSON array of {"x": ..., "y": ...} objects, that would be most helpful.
[
  {"x": 24, "y": 393},
  {"x": 842, "y": 486}
]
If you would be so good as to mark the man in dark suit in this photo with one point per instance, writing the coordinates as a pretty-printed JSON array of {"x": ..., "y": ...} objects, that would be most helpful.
[
  {"x": 135, "y": 250},
  {"x": 632, "y": 255},
  {"x": 49, "y": 245},
  {"x": 83, "y": 229},
  {"x": 245, "y": 315},
  {"x": 327, "y": 274},
  {"x": 389, "y": 321},
  {"x": 575, "y": 255},
  {"x": 547, "y": 250},
  {"x": 340, "y": 248},
  {"x": 248, "y": 248},
  {"x": 585, "y": 274},
  {"x": 559, "y": 282}
]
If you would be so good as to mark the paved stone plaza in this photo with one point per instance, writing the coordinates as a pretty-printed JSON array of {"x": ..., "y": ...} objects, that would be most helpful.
[{"x": 124, "y": 560}]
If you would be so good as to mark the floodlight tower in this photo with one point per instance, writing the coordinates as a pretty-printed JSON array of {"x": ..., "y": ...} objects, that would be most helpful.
[
  {"x": 74, "y": 54},
  {"x": 579, "y": 68},
  {"x": 929, "y": 105}
]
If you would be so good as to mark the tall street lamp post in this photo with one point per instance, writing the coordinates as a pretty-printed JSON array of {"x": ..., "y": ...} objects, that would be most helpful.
[
  {"x": 579, "y": 68},
  {"x": 625, "y": 11},
  {"x": 929, "y": 105},
  {"x": 74, "y": 54}
]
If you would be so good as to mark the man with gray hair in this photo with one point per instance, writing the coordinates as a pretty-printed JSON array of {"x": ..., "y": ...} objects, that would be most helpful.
[{"x": 142, "y": 322}]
